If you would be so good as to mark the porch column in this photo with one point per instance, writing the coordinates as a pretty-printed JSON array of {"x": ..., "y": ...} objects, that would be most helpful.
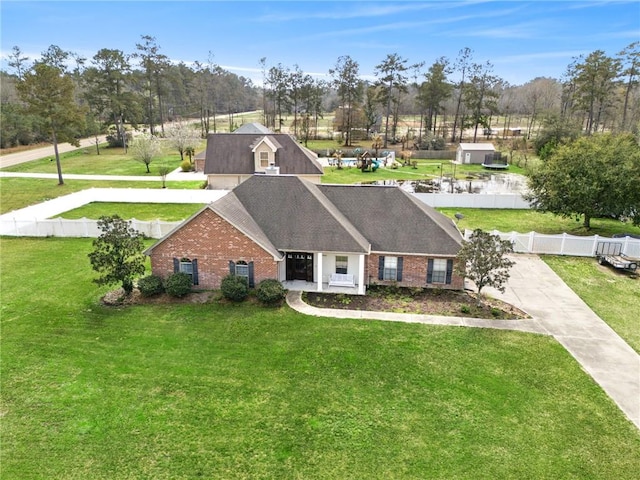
[
  {"x": 361, "y": 274},
  {"x": 319, "y": 271}
]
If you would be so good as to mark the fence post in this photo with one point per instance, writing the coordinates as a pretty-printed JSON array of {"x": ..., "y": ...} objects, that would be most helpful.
[
  {"x": 625, "y": 245},
  {"x": 564, "y": 237},
  {"x": 594, "y": 247},
  {"x": 532, "y": 238}
]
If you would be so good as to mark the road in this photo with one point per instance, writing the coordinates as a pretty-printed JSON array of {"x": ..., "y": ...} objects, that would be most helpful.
[{"x": 36, "y": 153}]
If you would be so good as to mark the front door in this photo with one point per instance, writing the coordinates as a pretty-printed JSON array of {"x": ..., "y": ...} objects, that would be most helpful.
[{"x": 300, "y": 266}]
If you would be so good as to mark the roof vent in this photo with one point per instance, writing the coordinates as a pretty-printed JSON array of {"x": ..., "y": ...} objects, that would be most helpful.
[{"x": 272, "y": 170}]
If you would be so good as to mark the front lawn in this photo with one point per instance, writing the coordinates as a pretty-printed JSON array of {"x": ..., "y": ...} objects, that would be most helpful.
[{"x": 241, "y": 391}]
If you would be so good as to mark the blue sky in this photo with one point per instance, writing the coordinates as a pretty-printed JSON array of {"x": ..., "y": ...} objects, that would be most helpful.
[{"x": 522, "y": 40}]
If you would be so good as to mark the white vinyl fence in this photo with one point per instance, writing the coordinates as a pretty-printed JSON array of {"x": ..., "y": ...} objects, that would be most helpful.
[
  {"x": 474, "y": 200},
  {"x": 563, "y": 244}
]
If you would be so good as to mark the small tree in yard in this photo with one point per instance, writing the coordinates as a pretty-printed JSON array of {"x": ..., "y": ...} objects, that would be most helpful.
[
  {"x": 144, "y": 148},
  {"x": 183, "y": 137},
  {"x": 118, "y": 253},
  {"x": 482, "y": 260}
]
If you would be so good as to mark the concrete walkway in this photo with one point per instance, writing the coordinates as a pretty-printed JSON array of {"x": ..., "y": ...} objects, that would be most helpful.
[{"x": 557, "y": 311}]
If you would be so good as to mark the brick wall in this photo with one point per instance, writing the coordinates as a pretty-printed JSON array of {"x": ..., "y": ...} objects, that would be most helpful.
[
  {"x": 213, "y": 242},
  {"x": 414, "y": 273}
]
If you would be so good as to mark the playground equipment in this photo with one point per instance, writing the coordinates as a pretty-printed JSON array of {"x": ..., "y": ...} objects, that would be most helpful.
[{"x": 366, "y": 163}]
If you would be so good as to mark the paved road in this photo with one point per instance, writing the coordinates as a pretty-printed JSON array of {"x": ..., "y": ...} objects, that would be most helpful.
[
  {"x": 36, "y": 153},
  {"x": 556, "y": 310}
]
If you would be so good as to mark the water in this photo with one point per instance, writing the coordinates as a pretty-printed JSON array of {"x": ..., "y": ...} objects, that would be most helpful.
[{"x": 480, "y": 183}]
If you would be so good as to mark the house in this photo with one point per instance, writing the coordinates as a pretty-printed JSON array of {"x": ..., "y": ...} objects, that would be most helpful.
[
  {"x": 313, "y": 238},
  {"x": 473, "y": 152},
  {"x": 232, "y": 158}
]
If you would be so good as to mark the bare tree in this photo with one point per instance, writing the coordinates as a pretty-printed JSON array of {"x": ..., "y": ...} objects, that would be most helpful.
[{"x": 145, "y": 148}]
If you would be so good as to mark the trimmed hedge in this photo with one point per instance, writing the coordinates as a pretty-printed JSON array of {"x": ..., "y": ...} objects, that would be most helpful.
[
  {"x": 150, "y": 285},
  {"x": 178, "y": 284},
  {"x": 270, "y": 291},
  {"x": 234, "y": 288}
]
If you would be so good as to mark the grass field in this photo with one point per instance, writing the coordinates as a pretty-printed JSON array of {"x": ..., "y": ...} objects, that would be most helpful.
[
  {"x": 241, "y": 391},
  {"x": 525, "y": 221},
  {"x": 168, "y": 212},
  {"x": 18, "y": 193}
]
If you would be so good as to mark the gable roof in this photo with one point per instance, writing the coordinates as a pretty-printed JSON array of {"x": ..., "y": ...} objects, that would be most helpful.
[
  {"x": 477, "y": 146},
  {"x": 255, "y": 127},
  {"x": 231, "y": 154}
]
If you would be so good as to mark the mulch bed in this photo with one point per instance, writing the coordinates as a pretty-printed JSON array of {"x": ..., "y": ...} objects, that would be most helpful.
[{"x": 418, "y": 301}]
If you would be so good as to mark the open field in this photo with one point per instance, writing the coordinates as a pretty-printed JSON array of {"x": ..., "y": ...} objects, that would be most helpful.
[{"x": 240, "y": 391}]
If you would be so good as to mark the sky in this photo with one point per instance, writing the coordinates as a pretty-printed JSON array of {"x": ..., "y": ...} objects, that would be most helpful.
[{"x": 522, "y": 40}]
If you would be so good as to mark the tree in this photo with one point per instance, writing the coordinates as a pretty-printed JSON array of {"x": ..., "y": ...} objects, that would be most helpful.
[
  {"x": 154, "y": 64},
  {"x": 462, "y": 65},
  {"x": 480, "y": 96},
  {"x": 392, "y": 77},
  {"x": 349, "y": 87},
  {"x": 144, "y": 148},
  {"x": 482, "y": 260},
  {"x": 630, "y": 61},
  {"x": 596, "y": 176},
  {"x": 17, "y": 61},
  {"x": 433, "y": 92},
  {"x": 117, "y": 254},
  {"x": 48, "y": 94},
  {"x": 182, "y": 136}
]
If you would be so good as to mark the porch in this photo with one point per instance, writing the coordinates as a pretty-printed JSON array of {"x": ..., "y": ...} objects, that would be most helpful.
[{"x": 302, "y": 286}]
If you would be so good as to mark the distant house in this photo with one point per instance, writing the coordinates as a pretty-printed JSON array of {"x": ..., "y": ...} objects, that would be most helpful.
[
  {"x": 313, "y": 238},
  {"x": 474, "y": 152},
  {"x": 232, "y": 158}
]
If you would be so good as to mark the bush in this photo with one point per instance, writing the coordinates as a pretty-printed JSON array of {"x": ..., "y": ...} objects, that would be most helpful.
[
  {"x": 234, "y": 288},
  {"x": 270, "y": 291},
  {"x": 186, "y": 166},
  {"x": 150, "y": 285},
  {"x": 178, "y": 284}
]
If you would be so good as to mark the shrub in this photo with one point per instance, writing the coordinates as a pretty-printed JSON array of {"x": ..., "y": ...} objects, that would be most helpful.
[
  {"x": 178, "y": 284},
  {"x": 186, "y": 166},
  {"x": 465, "y": 309},
  {"x": 234, "y": 288},
  {"x": 270, "y": 291},
  {"x": 150, "y": 285}
]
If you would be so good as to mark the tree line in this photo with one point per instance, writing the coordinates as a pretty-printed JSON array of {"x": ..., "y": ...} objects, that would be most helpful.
[{"x": 62, "y": 96}]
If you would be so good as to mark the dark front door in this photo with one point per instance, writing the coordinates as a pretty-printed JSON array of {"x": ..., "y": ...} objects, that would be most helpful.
[{"x": 300, "y": 266}]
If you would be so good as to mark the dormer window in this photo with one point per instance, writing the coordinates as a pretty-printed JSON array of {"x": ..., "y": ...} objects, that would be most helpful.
[{"x": 264, "y": 159}]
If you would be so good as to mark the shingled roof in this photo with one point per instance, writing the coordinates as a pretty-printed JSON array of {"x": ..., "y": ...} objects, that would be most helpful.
[{"x": 231, "y": 154}]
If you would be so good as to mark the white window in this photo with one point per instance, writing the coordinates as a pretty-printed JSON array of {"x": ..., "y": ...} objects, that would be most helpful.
[
  {"x": 439, "y": 270},
  {"x": 264, "y": 159},
  {"x": 390, "y": 268},
  {"x": 342, "y": 262},
  {"x": 242, "y": 270},
  {"x": 186, "y": 266}
]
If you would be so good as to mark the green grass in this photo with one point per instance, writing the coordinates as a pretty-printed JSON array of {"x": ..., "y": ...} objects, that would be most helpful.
[
  {"x": 18, "y": 193},
  {"x": 524, "y": 221},
  {"x": 111, "y": 161},
  {"x": 613, "y": 295},
  {"x": 169, "y": 212},
  {"x": 241, "y": 391},
  {"x": 426, "y": 170}
]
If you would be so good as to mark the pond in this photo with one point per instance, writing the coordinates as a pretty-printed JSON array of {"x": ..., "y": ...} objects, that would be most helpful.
[{"x": 485, "y": 182}]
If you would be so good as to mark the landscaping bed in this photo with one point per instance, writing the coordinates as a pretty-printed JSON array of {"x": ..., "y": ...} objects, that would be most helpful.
[{"x": 417, "y": 300}]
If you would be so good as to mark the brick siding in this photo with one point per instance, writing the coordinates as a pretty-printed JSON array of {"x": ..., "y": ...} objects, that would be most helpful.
[
  {"x": 213, "y": 242},
  {"x": 414, "y": 273}
]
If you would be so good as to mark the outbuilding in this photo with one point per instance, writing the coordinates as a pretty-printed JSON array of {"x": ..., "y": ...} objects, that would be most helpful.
[{"x": 474, "y": 152}]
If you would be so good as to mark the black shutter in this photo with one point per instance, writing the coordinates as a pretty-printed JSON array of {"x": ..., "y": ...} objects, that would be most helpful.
[
  {"x": 380, "y": 268},
  {"x": 194, "y": 264},
  {"x": 449, "y": 271},
  {"x": 176, "y": 265},
  {"x": 430, "y": 270},
  {"x": 251, "y": 282},
  {"x": 232, "y": 268},
  {"x": 400, "y": 262}
]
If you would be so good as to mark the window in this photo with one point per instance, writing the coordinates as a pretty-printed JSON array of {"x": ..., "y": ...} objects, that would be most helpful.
[
  {"x": 342, "y": 262},
  {"x": 439, "y": 270},
  {"x": 264, "y": 159},
  {"x": 242, "y": 270},
  {"x": 188, "y": 266},
  {"x": 390, "y": 268}
]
